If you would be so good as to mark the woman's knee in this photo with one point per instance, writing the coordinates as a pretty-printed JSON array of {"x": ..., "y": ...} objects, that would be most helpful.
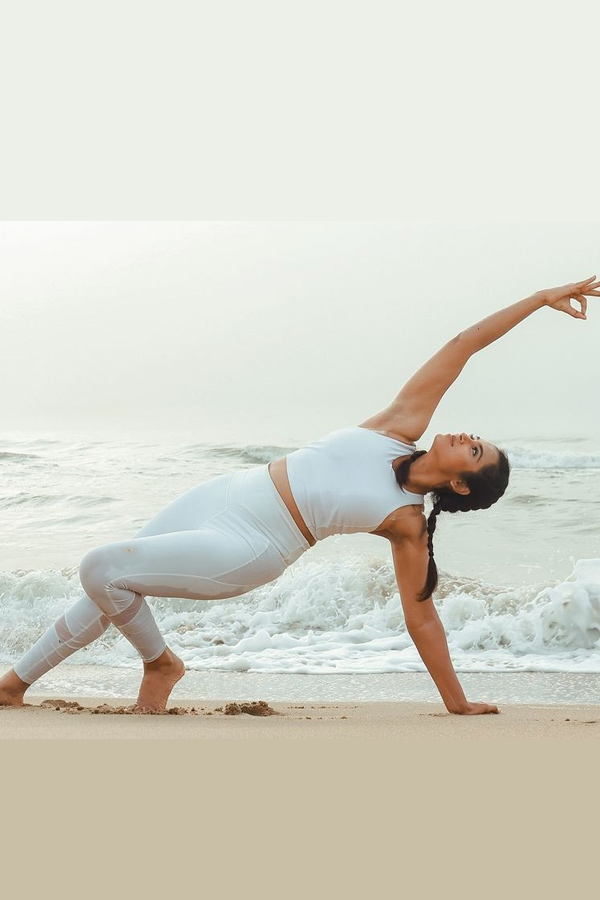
[{"x": 96, "y": 570}]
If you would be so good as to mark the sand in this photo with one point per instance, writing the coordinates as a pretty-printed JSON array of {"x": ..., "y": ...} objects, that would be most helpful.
[{"x": 101, "y": 718}]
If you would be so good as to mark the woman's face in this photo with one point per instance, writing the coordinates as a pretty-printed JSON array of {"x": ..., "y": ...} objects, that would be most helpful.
[{"x": 458, "y": 453}]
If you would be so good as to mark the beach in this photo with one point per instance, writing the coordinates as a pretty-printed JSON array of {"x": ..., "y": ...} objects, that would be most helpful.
[
  {"x": 75, "y": 701},
  {"x": 97, "y": 718}
]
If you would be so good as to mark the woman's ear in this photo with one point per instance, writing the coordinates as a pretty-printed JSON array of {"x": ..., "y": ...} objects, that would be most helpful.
[{"x": 459, "y": 486}]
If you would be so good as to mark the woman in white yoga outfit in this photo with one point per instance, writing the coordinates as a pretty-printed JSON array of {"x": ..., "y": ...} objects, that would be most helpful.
[{"x": 242, "y": 530}]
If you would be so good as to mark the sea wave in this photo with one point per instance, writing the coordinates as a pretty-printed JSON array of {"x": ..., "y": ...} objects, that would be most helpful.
[
  {"x": 336, "y": 616},
  {"x": 523, "y": 457},
  {"x": 251, "y": 454}
]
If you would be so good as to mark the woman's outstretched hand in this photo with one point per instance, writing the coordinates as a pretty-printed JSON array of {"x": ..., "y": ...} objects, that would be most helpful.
[
  {"x": 477, "y": 709},
  {"x": 560, "y": 297}
]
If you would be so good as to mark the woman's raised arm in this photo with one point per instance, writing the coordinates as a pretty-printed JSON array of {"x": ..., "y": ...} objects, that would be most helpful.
[{"x": 410, "y": 413}]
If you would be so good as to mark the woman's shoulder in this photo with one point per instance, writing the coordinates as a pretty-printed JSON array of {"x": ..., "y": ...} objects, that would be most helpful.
[
  {"x": 352, "y": 438},
  {"x": 388, "y": 432},
  {"x": 405, "y": 524}
]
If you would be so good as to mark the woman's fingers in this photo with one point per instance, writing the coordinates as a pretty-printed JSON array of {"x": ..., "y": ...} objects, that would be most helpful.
[
  {"x": 589, "y": 286},
  {"x": 565, "y": 305},
  {"x": 572, "y": 310},
  {"x": 479, "y": 709}
]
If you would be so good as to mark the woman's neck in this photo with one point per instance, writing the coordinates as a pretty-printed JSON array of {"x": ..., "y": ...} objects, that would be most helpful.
[{"x": 423, "y": 476}]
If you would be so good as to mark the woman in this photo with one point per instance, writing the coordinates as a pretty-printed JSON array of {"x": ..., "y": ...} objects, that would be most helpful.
[{"x": 242, "y": 530}]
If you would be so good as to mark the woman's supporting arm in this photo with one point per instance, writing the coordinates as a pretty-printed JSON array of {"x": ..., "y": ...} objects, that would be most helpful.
[
  {"x": 410, "y": 413},
  {"x": 424, "y": 626}
]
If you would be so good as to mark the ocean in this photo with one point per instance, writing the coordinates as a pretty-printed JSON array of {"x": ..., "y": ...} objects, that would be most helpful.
[{"x": 519, "y": 591}]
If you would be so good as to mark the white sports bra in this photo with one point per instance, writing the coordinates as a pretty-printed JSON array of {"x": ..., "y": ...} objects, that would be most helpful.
[{"x": 344, "y": 483}]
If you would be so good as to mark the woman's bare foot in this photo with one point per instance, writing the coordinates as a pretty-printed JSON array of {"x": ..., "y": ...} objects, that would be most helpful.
[
  {"x": 12, "y": 689},
  {"x": 160, "y": 677}
]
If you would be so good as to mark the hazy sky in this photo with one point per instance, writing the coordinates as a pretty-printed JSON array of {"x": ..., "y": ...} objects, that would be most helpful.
[{"x": 277, "y": 331}]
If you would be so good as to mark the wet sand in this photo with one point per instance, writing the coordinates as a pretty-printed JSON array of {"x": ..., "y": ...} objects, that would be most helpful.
[{"x": 57, "y": 718}]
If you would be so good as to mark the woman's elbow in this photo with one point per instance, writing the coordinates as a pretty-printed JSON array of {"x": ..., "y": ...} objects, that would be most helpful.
[{"x": 418, "y": 625}]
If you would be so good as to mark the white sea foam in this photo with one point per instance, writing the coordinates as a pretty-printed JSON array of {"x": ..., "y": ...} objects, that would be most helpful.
[
  {"x": 337, "y": 616},
  {"x": 523, "y": 457}
]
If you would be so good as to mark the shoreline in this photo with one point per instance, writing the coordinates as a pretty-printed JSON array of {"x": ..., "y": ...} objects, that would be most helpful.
[
  {"x": 210, "y": 719},
  {"x": 398, "y": 706},
  {"x": 73, "y": 680}
]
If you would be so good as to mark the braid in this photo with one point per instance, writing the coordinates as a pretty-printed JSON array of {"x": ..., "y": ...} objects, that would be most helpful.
[
  {"x": 485, "y": 487},
  {"x": 432, "y": 572},
  {"x": 431, "y": 523}
]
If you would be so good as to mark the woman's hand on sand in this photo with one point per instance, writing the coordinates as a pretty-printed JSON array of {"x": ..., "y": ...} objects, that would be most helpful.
[
  {"x": 560, "y": 297},
  {"x": 478, "y": 709}
]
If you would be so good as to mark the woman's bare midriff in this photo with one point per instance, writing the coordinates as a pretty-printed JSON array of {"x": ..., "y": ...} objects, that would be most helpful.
[{"x": 279, "y": 477}]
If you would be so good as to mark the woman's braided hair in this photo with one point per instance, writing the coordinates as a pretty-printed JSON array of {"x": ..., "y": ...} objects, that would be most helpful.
[{"x": 485, "y": 486}]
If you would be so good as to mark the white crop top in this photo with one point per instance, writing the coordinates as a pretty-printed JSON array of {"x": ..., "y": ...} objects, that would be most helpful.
[{"x": 344, "y": 482}]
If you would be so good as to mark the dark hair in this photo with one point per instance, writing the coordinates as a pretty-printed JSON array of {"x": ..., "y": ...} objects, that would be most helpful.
[{"x": 485, "y": 486}]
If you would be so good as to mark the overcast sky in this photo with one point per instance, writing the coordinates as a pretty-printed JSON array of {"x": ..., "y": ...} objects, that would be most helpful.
[{"x": 280, "y": 331}]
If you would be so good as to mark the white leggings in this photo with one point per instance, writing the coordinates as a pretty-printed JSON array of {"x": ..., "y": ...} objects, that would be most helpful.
[{"x": 219, "y": 539}]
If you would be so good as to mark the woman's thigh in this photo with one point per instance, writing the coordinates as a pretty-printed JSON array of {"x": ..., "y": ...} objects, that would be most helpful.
[{"x": 208, "y": 563}]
